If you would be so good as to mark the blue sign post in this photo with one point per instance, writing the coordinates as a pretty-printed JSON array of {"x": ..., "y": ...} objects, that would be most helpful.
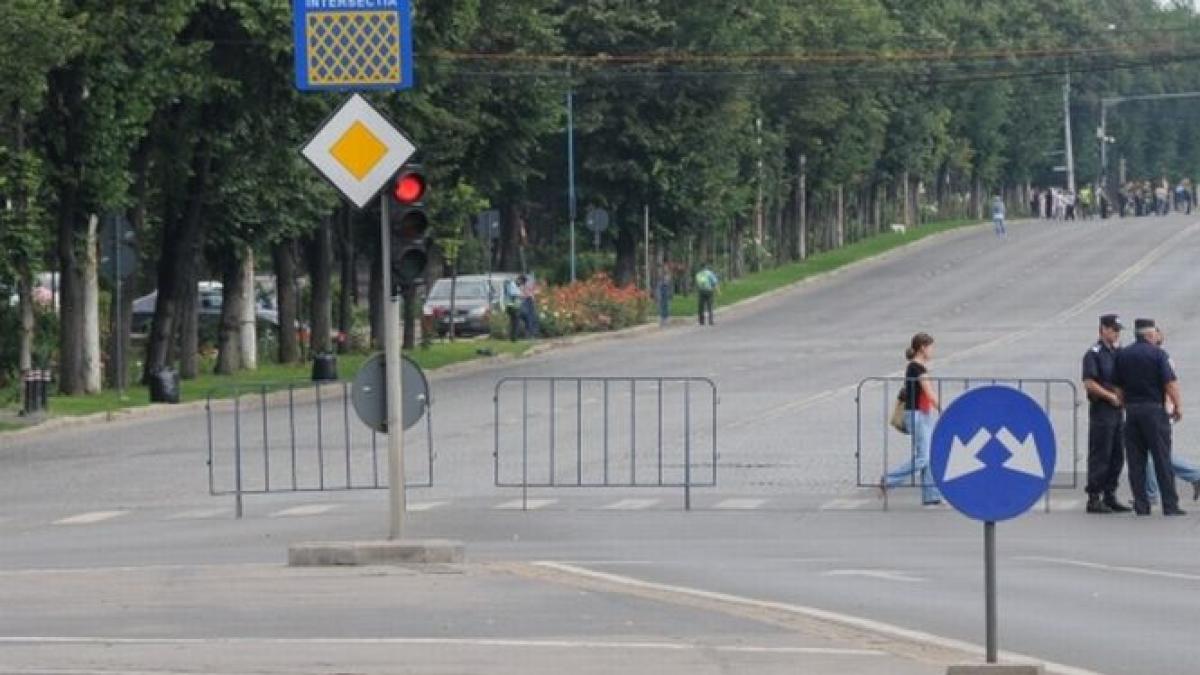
[
  {"x": 992, "y": 456},
  {"x": 353, "y": 45}
]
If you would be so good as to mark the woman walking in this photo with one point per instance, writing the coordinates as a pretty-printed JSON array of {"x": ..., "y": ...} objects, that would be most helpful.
[{"x": 921, "y": 405}]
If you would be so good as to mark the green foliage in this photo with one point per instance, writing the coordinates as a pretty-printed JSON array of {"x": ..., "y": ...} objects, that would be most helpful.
[{"x": 179, "y": 109}]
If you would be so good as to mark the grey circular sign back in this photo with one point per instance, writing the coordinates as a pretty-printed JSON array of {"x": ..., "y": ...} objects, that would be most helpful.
[
  {"x": 117, "y": 244},
  {"x": 369, "y": 393},
  {"x": 597, "y": 220}
]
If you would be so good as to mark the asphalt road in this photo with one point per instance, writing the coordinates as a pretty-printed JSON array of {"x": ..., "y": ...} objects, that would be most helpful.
[{"x": 786, "y": 522}]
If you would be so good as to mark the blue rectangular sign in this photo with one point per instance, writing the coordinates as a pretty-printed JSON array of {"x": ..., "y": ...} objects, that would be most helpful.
[{"x": 353, "y": 45}]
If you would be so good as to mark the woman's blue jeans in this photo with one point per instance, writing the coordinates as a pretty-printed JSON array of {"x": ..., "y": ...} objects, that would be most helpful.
[{"x": 921, "y": 425}]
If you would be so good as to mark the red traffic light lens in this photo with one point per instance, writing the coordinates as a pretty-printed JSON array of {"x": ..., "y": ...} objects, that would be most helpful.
[{"x": 410, "y": 188}]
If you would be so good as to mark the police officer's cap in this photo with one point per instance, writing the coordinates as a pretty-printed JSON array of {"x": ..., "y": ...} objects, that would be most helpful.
[
  {"x": 1143, "y": 324},
  {"x": 1111, "y": 321}
]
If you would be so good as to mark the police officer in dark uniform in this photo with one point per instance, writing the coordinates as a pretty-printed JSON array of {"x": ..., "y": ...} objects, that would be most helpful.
[
  {"x": 1106, "y": 420},
  {"x": 1145, "y": 380}
]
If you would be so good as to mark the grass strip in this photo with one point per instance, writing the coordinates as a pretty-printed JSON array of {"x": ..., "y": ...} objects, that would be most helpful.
[{"x": 273, "y": 377}]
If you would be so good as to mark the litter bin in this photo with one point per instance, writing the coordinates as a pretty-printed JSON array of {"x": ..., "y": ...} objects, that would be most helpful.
[
  {"x": 324, "y": 368},
  {"x": 36, "y": 385},
  {"x": 164, "y": 386}
]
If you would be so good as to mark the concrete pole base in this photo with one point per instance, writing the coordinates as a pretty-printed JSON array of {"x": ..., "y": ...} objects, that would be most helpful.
[
  {"x": 386, "y": 552},
  {"x": 996, "y": 669}
]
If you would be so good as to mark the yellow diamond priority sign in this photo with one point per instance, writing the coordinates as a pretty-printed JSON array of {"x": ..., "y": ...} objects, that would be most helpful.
[{"x": 358, "y": 150}]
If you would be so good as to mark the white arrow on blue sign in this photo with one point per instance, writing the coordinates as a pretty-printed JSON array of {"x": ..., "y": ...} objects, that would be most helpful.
[{"x": 993, "y": 453}]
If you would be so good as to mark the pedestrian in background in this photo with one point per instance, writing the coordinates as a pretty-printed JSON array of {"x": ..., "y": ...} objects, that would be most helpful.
[
  {"x": 998, "y": 213},
  {"x": 665, "y": 291},
  {"x": 707, "y": 284},
  {"x": 921, "y": 405},
  {"x": 1106, "y": 420},
  {"x": 1145, "y": 381},
  {"x": 512, "y": 305},
  {"x": 529, "y": 311}
]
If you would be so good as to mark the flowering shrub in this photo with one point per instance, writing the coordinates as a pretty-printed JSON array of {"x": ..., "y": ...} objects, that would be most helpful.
[{"x": 594, "y": 305}]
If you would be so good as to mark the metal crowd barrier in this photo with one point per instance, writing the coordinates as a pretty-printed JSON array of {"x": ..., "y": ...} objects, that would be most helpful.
[
  {"x": 264, "y": 438},
  {"x": 874, "y": 431},
  {"x": 584, "y": 432}
]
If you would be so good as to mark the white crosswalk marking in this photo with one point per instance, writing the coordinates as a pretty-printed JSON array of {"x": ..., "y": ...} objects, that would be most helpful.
[
  {"x": 533, "y": 504},
  {"x": 631, "y": 505},
  {"x": 425, "y": 506},
  {"x": 1062, "y": 504},
  {"x": 845, "y": 504},
  {"x": 200, "y": 514},
  {"x": 90, "y": 517},
  {"x": 306, "y": 510},
  {"x": 740, "y": 504}
]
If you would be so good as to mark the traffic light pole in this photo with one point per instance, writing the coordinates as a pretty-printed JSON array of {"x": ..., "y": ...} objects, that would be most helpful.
[{"x": 394, "y": 384}]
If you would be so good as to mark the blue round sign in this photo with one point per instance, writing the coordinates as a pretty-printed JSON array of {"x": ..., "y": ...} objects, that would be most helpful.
[{"x": 993, "y": 453}]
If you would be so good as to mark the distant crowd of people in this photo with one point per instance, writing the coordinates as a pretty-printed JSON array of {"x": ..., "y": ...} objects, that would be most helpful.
[{"x": 1135, "y": 198}]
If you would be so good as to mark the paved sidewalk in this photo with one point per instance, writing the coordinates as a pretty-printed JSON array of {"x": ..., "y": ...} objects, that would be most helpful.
[{"x": 502, "y": 618}]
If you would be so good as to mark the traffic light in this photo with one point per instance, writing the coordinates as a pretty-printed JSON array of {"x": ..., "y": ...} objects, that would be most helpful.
[{"x": 409, "y": 228}]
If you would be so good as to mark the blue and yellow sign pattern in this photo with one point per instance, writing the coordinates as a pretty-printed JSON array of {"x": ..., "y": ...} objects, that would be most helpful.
[{"x": 347, "y": 45}]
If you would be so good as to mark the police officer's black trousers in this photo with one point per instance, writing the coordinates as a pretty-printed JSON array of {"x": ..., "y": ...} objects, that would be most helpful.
[
  {"x": 1148, "y": 434},
  {"x": 1106, "y": 452}
]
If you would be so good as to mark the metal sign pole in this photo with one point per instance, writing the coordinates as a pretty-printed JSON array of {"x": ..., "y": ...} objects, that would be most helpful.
[
  {"x": 989, "y": 583},
  {"x": 571, "y": 170},
  {"x": 395, "y": 394},
  {"x": 119, "y": 333}
]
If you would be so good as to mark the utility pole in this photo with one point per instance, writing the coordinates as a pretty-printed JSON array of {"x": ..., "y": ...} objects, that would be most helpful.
[
  {"x": 571, "y": 165},
  {"x": 1067, "y": 128}
]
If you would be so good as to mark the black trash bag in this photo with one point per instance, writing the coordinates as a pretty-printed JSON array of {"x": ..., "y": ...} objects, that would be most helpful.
[
  {"x": 164, "y": 386},
  {"x": 324, "y": 368}
]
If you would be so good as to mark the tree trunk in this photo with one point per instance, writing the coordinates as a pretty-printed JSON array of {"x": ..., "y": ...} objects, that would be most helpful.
[
  {"x": 189, "y": 330},
  {"x": 320, "y": 266},
  {"x": 177, "y": 276},
  {"x": 93, "y": 362},
  {"x": 71, "y": 337},
  {"x": 25, "y": 273},
  {"x": 248, "y": 330},
  {"x": 626, "y": 267},
  {"x": 376, "y": 299},
  {"x": 410, "y": 317},
  {"x": 25, "y": 299},
  {"x": 802, "y": 207},
  {"x": 348, "y": 279},
  {"x": 284, "y": 256},
  {"x": 229, "y": 356},
  {"x": 511, "y": 228},
  {"x": 839, "y": 235}
]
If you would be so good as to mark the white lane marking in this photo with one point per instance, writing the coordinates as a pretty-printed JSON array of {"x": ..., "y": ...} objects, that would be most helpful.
[
  {"x": 631, "y": 505},
  {"x": 532, "y": 504},
  {"x": 90, "y": 518},
  {"x": 739, "y": 504},
  {"x": 199, "y": 514},
  {"x": 1120, "y": 569},
  {"x": 860, "y": 623},
  {"x": 883, "y": 575},
  {"x": 845, "y": 504},
  {"x": 425, "y": 506},
  {"x": 305, "y": 510},
  {"x": 461, "y": 642}
]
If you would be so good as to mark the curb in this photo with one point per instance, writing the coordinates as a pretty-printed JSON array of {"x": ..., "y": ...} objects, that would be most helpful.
[{"x": 166, "y": 411}]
